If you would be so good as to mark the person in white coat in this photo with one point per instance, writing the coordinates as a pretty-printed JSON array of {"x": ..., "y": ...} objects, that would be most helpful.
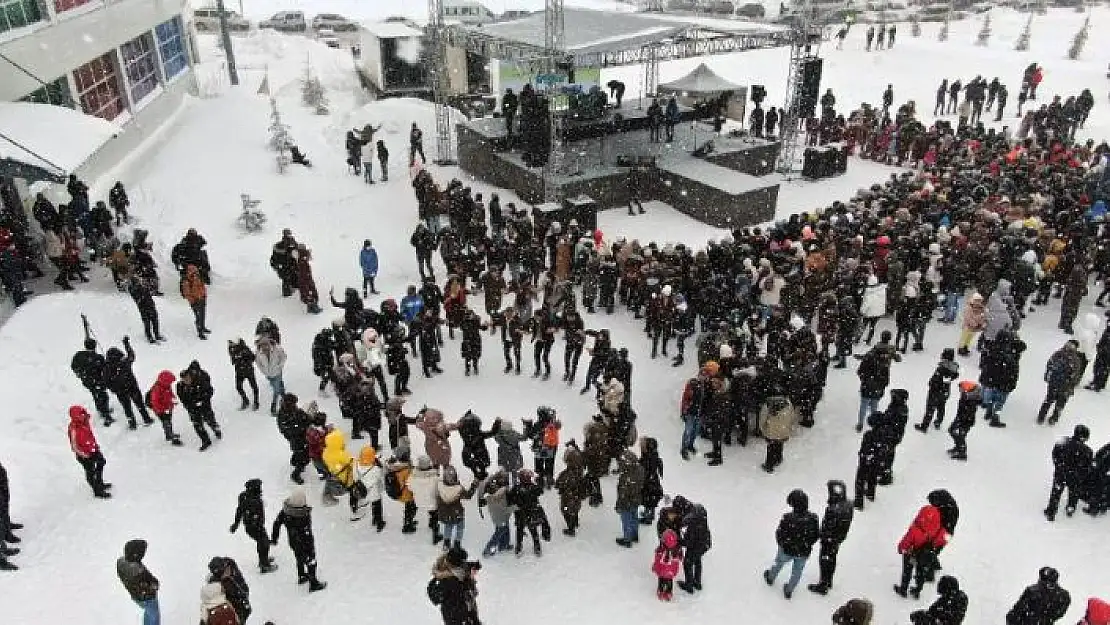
[
  {"x": 373, "y": 478},
  {"x": 872, "y": 308},
  {"x": 1088, "y": 333},
  {"x": 214, "y": 606},
  {"x": 367, "y": 153},
  {"x": 371, "y": 355},
  {"x": 270, "y": 359},
  {"x": 422, "y": 483}
]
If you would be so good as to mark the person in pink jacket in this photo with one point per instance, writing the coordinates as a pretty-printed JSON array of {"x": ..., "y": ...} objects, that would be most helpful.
[{"x": 667, "y": 562}]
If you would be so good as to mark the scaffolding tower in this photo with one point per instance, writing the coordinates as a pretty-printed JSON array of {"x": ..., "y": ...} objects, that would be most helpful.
[
  {"x": 803, "y": 48},
  {"x": 554, "y": 46},
  {"x": 441, "y": 83}
]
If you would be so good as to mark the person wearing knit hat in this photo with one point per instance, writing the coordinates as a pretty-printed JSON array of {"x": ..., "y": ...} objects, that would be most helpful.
[
  {"x": 251, "y": 512},
  {"x": 296, "y": 516},
  {"x": 854, "y": 612},
  {"x": 711, "y": 369}
]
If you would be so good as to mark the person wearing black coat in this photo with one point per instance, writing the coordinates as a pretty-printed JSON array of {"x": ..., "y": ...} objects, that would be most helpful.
[
  {"x": 998, "y": 373},
  {"x": 226, "y": 571},
  {"x": 940, "y": 388},
  {"x": 950, "y": 606},
  {"x": 797, "y": 532},
  {"x": 892, "y": 426},
  {"x": 293, "y": 422},
  {"x": 427, "y": 330},
  {"x": 529, "y": 513},
  {"x": 323, "y": 358},
  {"x": 1043, "y": 603},
  {"x": 296, "y": 516},
  {"x": 454, "y": 589},
  {"x": 574, "y": 333},
  {"x": 194, "y": 389},
  {"x": 834, "y": 530},
  {"x": 471, "y": 328},
  {"x": 251, "y": 512},
  {"x": 651, "y": 493},
  {"x": 1071, "y": 464},
  {"x": 366, "y": 410},
  {"x": 242, "y": 359},
  {"x": 120, "y": 379},
  {"x": 872, "y": 450},
  {"x": 1101, "y": 368},
  {"x": 89, "y": 368},
  {"x": 696, "y": 539},
  {"x": 475, "y": 455},
  {"x": 621, "y": 369},
  {"x": 971, "y": 394},
  {"x": 148, "y": 311}
]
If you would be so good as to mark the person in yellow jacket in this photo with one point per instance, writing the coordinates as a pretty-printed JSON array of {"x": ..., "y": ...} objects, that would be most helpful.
[
  {"x": 341, "y": 466},
  {"x": 196, "y": 293}
]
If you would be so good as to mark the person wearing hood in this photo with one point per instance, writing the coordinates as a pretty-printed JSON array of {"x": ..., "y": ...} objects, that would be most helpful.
[
  {"x": 251, "y": 512},
  {"x": 242, "y": 360},
  {"x": 215, "y": 609},
  {"x": 422, "y": 482},
  {"x": 306, "y": 284},
  {"x": 471, "y": 327},
  {"x": 195, "y": 292},
  {"x": 834, "y": 530},
  {"x": 630, "y": 484},
  {"x": 1063, "y": 372},
  {"x": 88, "y": 366},
  {"x": 475, "y": 456},
  {"x": 341, "y": 468},
  {"x": 271, "y": 359},
  {"x": 494, "y": 497},
  {"x": 652, "y": 466},
  {"x": 949, "y": 608},
  {"x": 777, "y": 418},
  {"x": 971, "y": 395},
  {"x": 918, "y": 548},
  {"x": 368, "y": 261},
  {"x": 872, "y": 450},
  {"x": 195, "y": 392},
  {"x": 797, "y": 532},
  {"x": 120, "y": 379},
  {"x": 323, "y": 358},
  {"x": 161, "y": 400},
  {"x": 999, "y": 373},
  {"x": 1075, "y": 288},
  {"x": 226, "y": 572},
  {"x": 1072, "y": 460},
  {"x": 1043, "y": 603},
  {"x": 974, "y": 321},
  {"x": 296, "y": 517},
  {"x": 696, "y": 540},
  {"x": 1001, "y": 314},
  {"x": 82, "y": 441},
  {"x": 572, "y": 486},
  {"x": 293, "y": 424},
  {"x": 143, "y": 296},
  {"x": 892, "y": 427},
  {"x": 666, "y": 564},
  {"x": 529, "y": 515},
  {"x": 139, "y": 582},
  {"x": 437, "y": 444},
  {"x": 854, "y": 612},
  {"x": 454, "y": 588},
  {"x": 449, "y": 496},
  {"x": 940, "y": 387},
  {"x": 905, "y": 317},
  {"x": 874, "y": 376}
]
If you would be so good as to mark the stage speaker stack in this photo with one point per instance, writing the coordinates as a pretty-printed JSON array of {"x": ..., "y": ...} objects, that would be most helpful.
[
  {"x": 824, "y": 162},
  {"x": 535, "y": 131},
  {"x": 810, "y": 91}
]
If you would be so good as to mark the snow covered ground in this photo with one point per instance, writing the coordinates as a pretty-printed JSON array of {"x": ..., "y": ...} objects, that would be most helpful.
[{"x": 182, "y": 502}]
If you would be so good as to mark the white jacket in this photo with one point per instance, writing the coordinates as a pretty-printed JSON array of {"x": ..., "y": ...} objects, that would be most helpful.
[
  {"x": 374, "y": 480},
  {"x": 422, "y": 483},
  {"x": 53, "y": 245},
  {"x": 370, "y": 355},
  {"x": 367, "y": 152},
  {"x": 874, "y": 301},
  {"x": 1088, "y": 334},
  {"x": 771, "y": 297},
  {"x": 273, "y": 363},
  {"x": 211, "y": 596}
]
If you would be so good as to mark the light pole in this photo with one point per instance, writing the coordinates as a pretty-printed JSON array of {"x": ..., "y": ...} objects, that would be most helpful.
[{"x": 225, "y": 37}]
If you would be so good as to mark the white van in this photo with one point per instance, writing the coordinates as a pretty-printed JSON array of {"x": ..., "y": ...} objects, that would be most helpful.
[
  {"x": 286, "y": 21},
  {"x": 208, "y": 20}
]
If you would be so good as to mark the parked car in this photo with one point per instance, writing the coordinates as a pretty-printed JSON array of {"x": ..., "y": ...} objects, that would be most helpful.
[
  {"x": 286, "y": 21},
  {"x": 752, "y": 10},
  {"x": 328, "y": 37},
  {"x": 208, "y": 20},
  {"x": 333, "y": 22}
]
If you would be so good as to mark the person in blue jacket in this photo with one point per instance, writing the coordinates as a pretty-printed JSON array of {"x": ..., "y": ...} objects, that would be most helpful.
[
  {"x": 368, "y": 259},
  {"x": 411, "y": 304}
]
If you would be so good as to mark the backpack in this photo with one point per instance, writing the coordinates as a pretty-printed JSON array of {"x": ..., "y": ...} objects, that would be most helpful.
[
  {"x": 393, "y": 487},
  {"x": 551, "y": 436},
  {"x": 435, "y": 591},
  {"x": 222, "y": 614}
]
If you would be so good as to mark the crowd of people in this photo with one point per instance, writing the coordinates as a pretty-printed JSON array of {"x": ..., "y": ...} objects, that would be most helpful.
[{"x": 987, "y": 229}]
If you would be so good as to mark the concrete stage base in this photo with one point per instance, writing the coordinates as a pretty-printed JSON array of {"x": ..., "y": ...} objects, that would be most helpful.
[{"x": 722, "y": 189}]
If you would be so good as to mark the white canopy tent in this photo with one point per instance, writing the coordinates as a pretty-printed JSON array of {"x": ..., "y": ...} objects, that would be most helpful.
[{"x": 700, "y": 83}]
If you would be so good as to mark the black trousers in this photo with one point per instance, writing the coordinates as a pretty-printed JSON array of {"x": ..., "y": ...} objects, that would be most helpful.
[
  {"x": 401, "y": 380},
  {"x": 511, "y": 350},
  {"x": 665, "y": 585},
  {"x": 1058, "y": 486},
  {"x": 691, "y": 567},
  {"x": 368, "y": 281},
  {"x": 94, "y": 470},
  {"x": 201, "y": 419},
  {"x": 150, "y": 323},
  {"x": 867, "y": 477},
  {"x": 249, "y": 379},
  {"x": 379, "y": 375},
  {"x": 541, "y": 350},
  {"x": 1055, "y": 399},
  {"x": 827, "y": 561},
  {"x": 199, "y": 308},
  {"x": 915, "y": 566},
  {"x": 571, "y": 354},
  {"x": 424, "y": 261},
  {"x": 130, "y": 399},
  {"x": 261, "y": 543},
  {"x": 934, "y": 406},
  {"x": 1101, "y": 371},
  {"x": 100, "y": 400},
  {"x": 774, "y": 453}
]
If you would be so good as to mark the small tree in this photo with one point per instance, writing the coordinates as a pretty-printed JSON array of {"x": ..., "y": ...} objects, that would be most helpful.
[
  {"x": 915, "y": 26},
  {"x": 1080, "y": 40},
  {"x": 985, "y": 32},
  {"x": 1022, "y": 43}
]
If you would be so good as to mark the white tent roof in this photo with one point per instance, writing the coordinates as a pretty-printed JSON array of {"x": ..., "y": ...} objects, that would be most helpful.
[
  {"x": 700, "y": 81},
  {"x": 59, "y": 137}
]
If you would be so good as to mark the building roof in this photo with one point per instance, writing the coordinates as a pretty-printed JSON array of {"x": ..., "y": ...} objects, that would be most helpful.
[
  {"x": 700, "y": 81},
  {"x": 592, "y": 31},
  {"x": 51, "y": 140},
  {"x": 391, "y": 30}
]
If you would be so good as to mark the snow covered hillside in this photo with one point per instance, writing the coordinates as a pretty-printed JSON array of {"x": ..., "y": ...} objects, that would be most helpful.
[{"x": 182, "y": 502}]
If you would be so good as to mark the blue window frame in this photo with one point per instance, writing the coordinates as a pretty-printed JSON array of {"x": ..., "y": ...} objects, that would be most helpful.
[{"x": 172, "y": 47}]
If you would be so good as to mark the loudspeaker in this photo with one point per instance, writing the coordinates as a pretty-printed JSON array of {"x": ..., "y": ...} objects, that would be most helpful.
[{"x": 810, "y": 91}]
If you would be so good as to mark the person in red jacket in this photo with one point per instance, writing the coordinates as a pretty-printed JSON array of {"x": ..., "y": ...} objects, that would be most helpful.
[
  {"x": 918, "y": 548},
  {"x": 83, "y": 443},
  {"x": 161, "y": 400}
]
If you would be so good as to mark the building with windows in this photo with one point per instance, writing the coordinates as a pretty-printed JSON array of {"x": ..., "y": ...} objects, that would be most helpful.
[{"x": 125, "y": 61}]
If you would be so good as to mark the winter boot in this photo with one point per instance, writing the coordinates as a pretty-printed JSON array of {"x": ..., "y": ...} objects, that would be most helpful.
[
  {"x": 245, "y": 404},
  {"x": 687, "y": 586},
  {"x": 8, "y": 551},
  {"x": 7, "y": 566},
  {"x": 1042, "y": 413},
  {"x": 648, "y": 517},
  {"x": 819, "y": 588}
]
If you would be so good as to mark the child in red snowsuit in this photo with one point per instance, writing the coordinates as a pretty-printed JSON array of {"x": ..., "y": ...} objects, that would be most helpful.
[{"x": 667, "y": 563}]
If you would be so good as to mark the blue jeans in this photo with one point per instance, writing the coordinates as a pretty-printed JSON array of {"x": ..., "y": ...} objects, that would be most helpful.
[
  {"x": 453, "y": 531},
  {"x": 797, "y": 565},
  {"x": 499, "y": 541},
  {"x": 866, "y": 407},
  {"x": 993, "y": 400},
  {"x": 151, "y": 615},
  {"x": 277, "y": 385},
  {"x": 952, "y": 306},
  {"x": 690, "y": 431},
  {"x": 630, "y": 524}
]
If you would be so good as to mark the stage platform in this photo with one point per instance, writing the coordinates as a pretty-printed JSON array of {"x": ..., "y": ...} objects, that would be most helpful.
[{"x": 723, "y": 189}]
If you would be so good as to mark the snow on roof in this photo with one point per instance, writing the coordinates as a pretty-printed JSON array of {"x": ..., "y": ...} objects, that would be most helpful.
[
  {"x": 391, "y": 30},
  {"x": 701, "y": 80},
  {"x": 727, "y": 180},
  {"x": 647, "y": 32},
  {"x": 61, "y": 137}
]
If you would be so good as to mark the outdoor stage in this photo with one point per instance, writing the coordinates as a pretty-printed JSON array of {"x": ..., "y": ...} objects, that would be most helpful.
[{"x": 723, "y": 189}]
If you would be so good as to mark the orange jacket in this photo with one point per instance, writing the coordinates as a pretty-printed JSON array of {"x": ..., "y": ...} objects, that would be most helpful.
[{"x": 192, "y": 287}]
